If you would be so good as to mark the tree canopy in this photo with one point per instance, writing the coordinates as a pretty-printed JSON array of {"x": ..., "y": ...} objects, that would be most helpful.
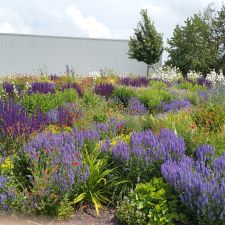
[
  {"x": 146, "y": 45},
  {"x": 200, "y": 44}
]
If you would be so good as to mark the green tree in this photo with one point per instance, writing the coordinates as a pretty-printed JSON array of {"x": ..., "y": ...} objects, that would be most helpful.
[
  {"x": 199, "y": 44},
  {"x": 146, "y": 45}
]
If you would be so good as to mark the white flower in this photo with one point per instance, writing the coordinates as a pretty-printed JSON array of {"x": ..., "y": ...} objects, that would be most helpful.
[
  {"x": 216, "y": 78},
  {"x": 193, "y": 75}
]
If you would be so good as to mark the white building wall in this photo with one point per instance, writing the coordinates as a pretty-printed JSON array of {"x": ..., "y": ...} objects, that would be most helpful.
[{"x": 32, "y": 54}]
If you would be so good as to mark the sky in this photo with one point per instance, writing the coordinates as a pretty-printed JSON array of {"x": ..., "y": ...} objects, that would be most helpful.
[{"x": 114, "y": 19}]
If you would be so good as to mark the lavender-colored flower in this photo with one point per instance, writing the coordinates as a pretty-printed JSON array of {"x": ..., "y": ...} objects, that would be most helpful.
[
  {"x": 74, "y": 86},
  {"x": 121, "y": 151},
  {"x": 104, "y": 89},
  {"x": 8, "y": 88},
  {"x": 174, "y": 105},
  {"x": 135, "y": 82},
  {"x": 15, "y": 121},
  {"x": 200, "y": 183},
  {"x": 42, "y": 87},
  {"x": 204, "y": 82},
  {"x": 135, "y": 107}
]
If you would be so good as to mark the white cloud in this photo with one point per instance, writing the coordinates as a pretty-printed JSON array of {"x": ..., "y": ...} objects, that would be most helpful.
[
  {"x": 6, "y": 28},
  {"x": 89, "y": 24}
]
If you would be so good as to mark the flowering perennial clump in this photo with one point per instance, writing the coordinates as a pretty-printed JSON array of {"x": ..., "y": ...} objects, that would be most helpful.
[
  {"x": 200, "y": 183},
  {"x": 148, "y": 147},
  {"x": 15, "y": 121},
  {"x": 175, "y": 105},
  {"x": 135, "y": 107},
  {"x": 74, "y": 86},
  {"x": 104, "y": 89},
  {"x": 135, "y": 82},
  {"x": 42, "y": 87}
]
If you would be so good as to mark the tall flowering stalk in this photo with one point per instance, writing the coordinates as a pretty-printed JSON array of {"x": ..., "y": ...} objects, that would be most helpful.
[
  {"x": 41, "y": 87},
  {"x": 135, "y": 82},
  {"x": 200, "y": 183},
  {"x": 104, "y": 89},
  {"x": 15, "y": 121},
  {"x": 135, "y": 107}
]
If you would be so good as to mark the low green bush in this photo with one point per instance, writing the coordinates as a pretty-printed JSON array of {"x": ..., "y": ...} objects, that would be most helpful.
[
  {"x": 209, "y": 116},
  {"x": 123, "y": 93},
  {"x": 152, "y": 203},
  {"x": 151, "y": 97},
  {"x": 46, "y": 102}
]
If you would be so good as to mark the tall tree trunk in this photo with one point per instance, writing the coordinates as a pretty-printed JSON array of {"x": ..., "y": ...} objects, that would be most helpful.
[{"x": 148, "y": 67}]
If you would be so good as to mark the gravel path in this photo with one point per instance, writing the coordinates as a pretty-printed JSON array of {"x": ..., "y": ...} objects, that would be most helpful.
[{"x": 88, "y": 217}]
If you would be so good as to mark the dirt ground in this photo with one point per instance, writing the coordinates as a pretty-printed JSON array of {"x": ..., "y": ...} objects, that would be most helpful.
[{"x": 81, "y": 217}]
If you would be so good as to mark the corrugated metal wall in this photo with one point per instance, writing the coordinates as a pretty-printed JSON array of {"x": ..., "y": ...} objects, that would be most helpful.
[{"x": 33, "y": 53}]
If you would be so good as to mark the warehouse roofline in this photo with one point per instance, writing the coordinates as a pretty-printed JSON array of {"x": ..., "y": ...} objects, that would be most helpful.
[{"x": 61, "y": 37}]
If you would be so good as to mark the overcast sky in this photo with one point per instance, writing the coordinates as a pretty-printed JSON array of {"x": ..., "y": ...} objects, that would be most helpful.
[{"x": 94, "y": 18}]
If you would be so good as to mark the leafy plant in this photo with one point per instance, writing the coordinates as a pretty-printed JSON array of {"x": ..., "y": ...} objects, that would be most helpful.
[
  {"x": 123, "y": 94},
  {"x": 152, "y": 203},
  {"x": 209, "y": 116},
  {"x": 100, "y": 182},
  {"x": 46, "y": 102}
]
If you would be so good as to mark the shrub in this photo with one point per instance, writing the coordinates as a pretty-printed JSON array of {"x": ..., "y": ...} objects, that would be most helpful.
[
  {"x": 158, "y": 84},
  {"x": 209, "y": 116},
  {"x": 151, "y": 98},
  {"x": 46, "y": 102},
  {"x": 123, "y": 94},
  {"x": 150, "y": 203}
]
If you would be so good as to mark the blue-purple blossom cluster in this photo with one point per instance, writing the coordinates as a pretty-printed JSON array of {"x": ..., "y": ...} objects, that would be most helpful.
[
  {"x": 200, "y": 183},
  {"x": 204, "y": 82},
  {"x": 7, "y": 194},
  {"x": 104, "y": 89},
  {"x": 15, "y": 121},
  {"x": 135, "y": 82},
  {"x": 66, "y": 115},
  {"x": 135, "y": 107},
  {"x": 58, "y": 158},
  {"x": 9, "y": 89},
  {"x": 110, "y": 128},
  {"x": 148, "y": 147},
  {"x": 175, "y": 105},
  {"x": 42, "y": 88},
  {"x": 74, "y": 86}
]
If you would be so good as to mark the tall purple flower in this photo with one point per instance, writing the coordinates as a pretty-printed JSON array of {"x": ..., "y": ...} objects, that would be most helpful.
[
  {"x": 104, "y": 89},
  {"x": 200, "y": 183},
  {"x": 15, "y": 121},
  {"x": 135, "y": 82},
  {"x": 74, "y": 86},
  {"x": 42, "y": 87},
  {"x": 174, "y": 105},
  {"x": 135, "y": 107}
]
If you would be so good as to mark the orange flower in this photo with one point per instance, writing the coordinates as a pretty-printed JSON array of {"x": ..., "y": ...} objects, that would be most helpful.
[
  {"x": 76, "y": 163},
  {"x": 192, "y": 126}
]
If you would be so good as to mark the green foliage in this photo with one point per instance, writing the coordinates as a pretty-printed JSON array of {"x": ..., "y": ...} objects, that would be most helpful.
[
  {"x": 153, "y": 203},
  {"x": 157, "y": 84},
  {"x": 64, "y": 210},
  {"x": 209, "y": 117},
  {"x": 199, "y": 44},
  {"x": 146, "y": 45},
  {"x": 151, "y": 98},
  {"x": 100, "y": 183},
  {"x": 47, "y": 102},
  {"x": 189, "y": 86},
  {"x": 123, "y": 93}
]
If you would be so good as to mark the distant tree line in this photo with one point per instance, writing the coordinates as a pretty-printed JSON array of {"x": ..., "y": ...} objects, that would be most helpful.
[{"x": 198, "y": 45}]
